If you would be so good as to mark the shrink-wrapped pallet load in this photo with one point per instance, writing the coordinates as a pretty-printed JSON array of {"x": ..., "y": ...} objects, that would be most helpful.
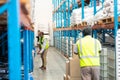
[{"x": 89, "y": 17}]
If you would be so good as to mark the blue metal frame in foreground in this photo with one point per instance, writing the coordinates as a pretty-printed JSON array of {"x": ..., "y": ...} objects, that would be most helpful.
[{"x": 14, "y": 46}]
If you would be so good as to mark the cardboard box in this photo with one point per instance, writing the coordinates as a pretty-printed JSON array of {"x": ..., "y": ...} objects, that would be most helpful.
[
  {"x": 74, "y": 67},
  {"x": 65, "y": 77},
  {"x": 67, "y": 67},
  {"x": 73, "y": 78}
]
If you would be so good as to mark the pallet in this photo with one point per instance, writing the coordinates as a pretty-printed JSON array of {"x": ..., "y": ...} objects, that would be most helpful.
[
  {"x": 83, "y": 23},
  {"x": 108, "y": 26},
  {"x": 104, "y": 26},
  {"x": 76, "y": 25},
  {"x": 96, "y": 26},
  {"x": 107, "y": 20},
  {"x": 80, "y": 24}
]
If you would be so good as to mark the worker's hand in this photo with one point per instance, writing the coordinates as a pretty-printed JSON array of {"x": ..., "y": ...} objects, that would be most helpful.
[{"x": 38, "y": 52}]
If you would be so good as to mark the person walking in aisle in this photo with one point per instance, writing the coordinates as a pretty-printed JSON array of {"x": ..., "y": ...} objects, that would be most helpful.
[
  {"x": 89, "y": 50},
  {"x": 44, "y": 49}
]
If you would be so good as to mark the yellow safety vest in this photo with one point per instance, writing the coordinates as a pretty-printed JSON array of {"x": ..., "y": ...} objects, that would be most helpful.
[
  {"x": 41, "y": 43},
  {"x": 47, "y": 45},
  {"x": 88, "y": 49},
  {"x": 40, "y": 40}
]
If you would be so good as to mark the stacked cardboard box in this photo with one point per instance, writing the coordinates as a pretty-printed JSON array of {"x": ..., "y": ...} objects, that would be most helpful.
[
  {"x": 72, "y": 68},
  {"x": 73, "y": 78}
]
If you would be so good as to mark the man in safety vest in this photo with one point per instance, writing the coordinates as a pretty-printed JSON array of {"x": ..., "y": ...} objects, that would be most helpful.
[
  {"x": 44, "y": 49},
  {"x": 89, "y": 50}
]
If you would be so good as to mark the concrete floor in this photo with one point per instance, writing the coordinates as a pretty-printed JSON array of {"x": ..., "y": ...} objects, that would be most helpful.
[{"x": 55, "y": 66}]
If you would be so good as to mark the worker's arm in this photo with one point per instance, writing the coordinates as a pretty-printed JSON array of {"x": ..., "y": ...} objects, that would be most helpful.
[
  {"x": 99, "y": 47},
  {"x": 75, "y": 50},
  {"x": 43, "y": 46}
]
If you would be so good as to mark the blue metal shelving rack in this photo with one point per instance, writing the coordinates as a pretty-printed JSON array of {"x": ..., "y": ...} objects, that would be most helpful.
[
  {"x": 14, "y": 47},
  {"x": 14, "y": 43},
  {"x": 65, "y": 15},
  {"x": 28, "y": 58},
  {"x": 66, "y": 18}
]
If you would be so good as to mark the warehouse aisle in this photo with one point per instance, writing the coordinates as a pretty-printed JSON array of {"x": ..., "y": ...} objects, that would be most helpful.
[{"x": 55, "y": 66}]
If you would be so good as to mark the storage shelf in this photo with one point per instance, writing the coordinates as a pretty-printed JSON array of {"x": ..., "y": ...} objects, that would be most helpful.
[
  {"x": 68, "y": 28},
  {"x": 97, "y": 26}
]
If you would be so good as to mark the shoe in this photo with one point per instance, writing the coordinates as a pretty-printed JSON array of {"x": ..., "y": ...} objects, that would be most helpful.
[{"x": 43, "y": 68}]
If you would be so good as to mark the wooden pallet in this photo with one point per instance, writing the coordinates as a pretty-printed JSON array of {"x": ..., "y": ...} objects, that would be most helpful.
[
  {"x": 79, "y": 26},
  {"x": 108, "y": 26},
  {"x": 107, "y": 20},
  {"x": 96, "y": 26},
  {"x": 75, "y": 25},
  {"x": 83, "y": 23},
  {"x": 104, "y": 26}
]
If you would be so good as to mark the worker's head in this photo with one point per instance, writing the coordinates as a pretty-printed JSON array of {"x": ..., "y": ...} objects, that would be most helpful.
[
  {"x": 87, "y": 31},
  {"x": 39, "y": 33},
  {"x": 38, "y": 30},
  {"x": 42, "y": 34}
]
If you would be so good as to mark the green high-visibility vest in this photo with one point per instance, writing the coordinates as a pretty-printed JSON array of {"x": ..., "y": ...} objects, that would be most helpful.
[
  {"x": 41, "y": 40},
  {"x": 88, "y": 49}
]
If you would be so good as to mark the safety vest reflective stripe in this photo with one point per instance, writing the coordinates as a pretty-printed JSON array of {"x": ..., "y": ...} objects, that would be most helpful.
[{"x": 89, "y": 57}]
